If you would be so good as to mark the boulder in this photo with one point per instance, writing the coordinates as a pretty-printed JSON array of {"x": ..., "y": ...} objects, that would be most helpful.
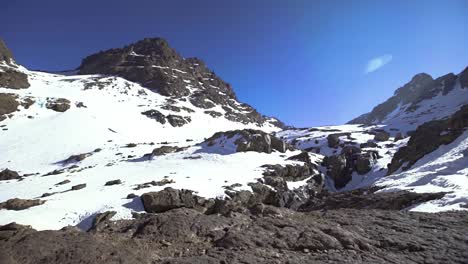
[
  {"x": 8, "y": 104},
  {"x": 289, "y": 172},
  {"x": 20, "y": 204},
  {"x": 333, "y": 140},
  {"x": 113, "y": 182},
  {"x": 7, "y": 174},
  {"x": 169, "y": 198},
  {"x": 178, "y": 121},
  {"x": 381, "y": 136},
  {"x": 339, "y": 169},
  {"x": 58, "y": 104},
  {"x": 78, "y": 187}
]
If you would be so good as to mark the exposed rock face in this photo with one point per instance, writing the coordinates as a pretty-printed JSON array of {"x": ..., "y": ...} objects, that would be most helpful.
[
  {"x": 5, "y": 53},
  {"x": 289, "y": 172},
  {"x": 340, "y": 167},
  {"x": 263, "y": 234},
  {"x": 250, "y": 140},
  {"x": 428, "y": 137},
  {"x": 10, "y": 78},
  {"x": 8, "y": 105},
  {"x": 174, "y": 120},
  {"x": 421, "y": 87},
  {"x": 13, "y": 79},
  {"x": 58, "y": 104},
  {"x": 7, "y": 174},
  {"x": 464, "y": 78},
  {"x": 369, "y": 199},
  {"x": 169, "y": 198},
  {"x": 154, "y": 64},
  {"x": 20, "y": 204},
  {"x": 381, "y": 136}
]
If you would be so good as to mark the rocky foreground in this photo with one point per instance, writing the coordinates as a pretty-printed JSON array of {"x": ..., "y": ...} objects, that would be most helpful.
[{"x": 256, "y": 234}]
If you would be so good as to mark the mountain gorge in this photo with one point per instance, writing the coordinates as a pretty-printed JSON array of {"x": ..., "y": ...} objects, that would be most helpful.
[{"x": 153, "y": 153}]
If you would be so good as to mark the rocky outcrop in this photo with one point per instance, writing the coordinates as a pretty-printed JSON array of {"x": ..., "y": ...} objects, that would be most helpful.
[
  {"x": 421, "y": 87},
  {"x": 369, "y": 198},
  {"x": 20, "y": 204},
  {"x": 427, "y": 138},
  {"x": 154, "y": 64},
  {"x": 7, "y": 174},
  {"x": 262, "y": 234},
  {"x": 341, "y": 167},
  {"x": 9, "y": 77},
  {"x": 173, "y": 120},
  {"x": 58, "y": 104},
  {"x": 13, "y": 79},
  {"x": 8, "y": 105},
  {"x": 169, "y": 198},
  {"x": 381, "y": 136},
  {"x": 249, "y": 140}
]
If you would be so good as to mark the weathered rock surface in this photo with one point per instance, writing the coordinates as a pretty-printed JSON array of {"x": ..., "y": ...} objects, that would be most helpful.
[
  {"x": 19, "y": 204},
  {"x": 8, "y": 104},
  {"x": 58, "y": 104},
  {"x": 13, "y": 79},
  {"x": 263, "y": 235},
  {"x": 428, "y": 137},
  {"x": 169, "y": 198},
  {"x": 250, "y": 140},
  {"x": 7, "y": 174}
]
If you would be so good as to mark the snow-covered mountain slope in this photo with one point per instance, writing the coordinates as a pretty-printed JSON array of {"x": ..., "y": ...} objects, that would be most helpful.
[
  {"x": 421, "y": 100},
  {"x": 105, "y": 122},
  {"x": 380, "y": 152}
]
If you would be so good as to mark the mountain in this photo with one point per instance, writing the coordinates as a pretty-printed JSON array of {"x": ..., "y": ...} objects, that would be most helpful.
[
  {"x": 143, "y": 156},
  {"x": 421, "y": 100},
  {"x": 154, "y": 64}
]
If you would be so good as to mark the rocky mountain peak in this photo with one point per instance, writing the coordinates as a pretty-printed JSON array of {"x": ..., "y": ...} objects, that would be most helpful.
[
  {"x": 407, "y": 100},
  {"x": 5, "y": 53},
  {"x": 155, "y": 65}
]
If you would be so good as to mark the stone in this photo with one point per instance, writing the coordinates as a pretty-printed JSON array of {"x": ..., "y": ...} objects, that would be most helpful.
[
  {"x": 78, "y": 187},
  {"x": 7, "y": 174},
  {"x": 58, "y": 104},
  {"x": 169, "y": 198},
  {"x": 17, "y": 204}
]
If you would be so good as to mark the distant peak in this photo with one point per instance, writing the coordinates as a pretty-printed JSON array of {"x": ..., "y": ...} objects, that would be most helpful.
[{"x": 421, "y": 77}]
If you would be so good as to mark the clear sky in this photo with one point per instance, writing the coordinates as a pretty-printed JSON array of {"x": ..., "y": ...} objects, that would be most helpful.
[{"x": 307, "y": 62}]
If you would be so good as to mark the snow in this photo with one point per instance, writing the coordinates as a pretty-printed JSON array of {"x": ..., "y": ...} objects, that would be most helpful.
[
  {"x": 111, "y": 119},
  {"x": 443, "y": 170}
]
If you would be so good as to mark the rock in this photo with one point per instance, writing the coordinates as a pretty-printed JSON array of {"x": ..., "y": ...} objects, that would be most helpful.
[
  {"x": 78, "y": 187},
  {"x": 369, "y": 144},
  {"x": 7, "y": 174},
  {"x": 153, "y": 183},
  {"x": 58, "y": 104},
  {"x": 338, "y": 169},
  {"x": 164, "y": 150},
  {"x": 100, "y": 220},
  {"x": 288, "y": 172},
  {"x": 213, "y": 113},
  {"x": 428, "y": 137},
  {"x": 8, "y": 104},
  {"x": 333, "y": 140},
  {"x": 399, "y": 136},
  {"x": 113, "y": 182},
  {"x": 178, "y": 121},
  {"x": 364, "y": 163},
  {"x": 132, "y": 196},
  {"x": 161, "y": 69},
  {"x": 381, "y": 136},
  {"x": 77, "y": 158},
  {"x": 303, "y": 156},
  {"x": 5, "y": 53},
  {"x": 20, "y": 204},
  {"x": 249, "y": 140},
  {"x": 156, "y": 115},
  {"x": 169, "y": 198},
  {"x": 13, "y": 79},
  {"x": 63, "y": 182}
]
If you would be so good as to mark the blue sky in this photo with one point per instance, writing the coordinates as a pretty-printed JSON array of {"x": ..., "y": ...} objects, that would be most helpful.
[{"x": 307, "y": 62}]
